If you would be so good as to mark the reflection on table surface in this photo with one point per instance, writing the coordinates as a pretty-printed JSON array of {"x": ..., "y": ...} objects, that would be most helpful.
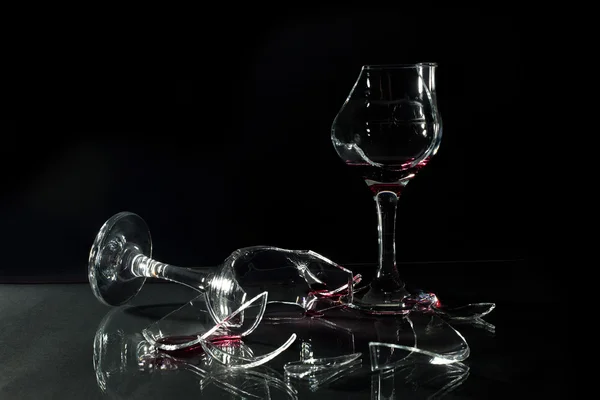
[{"x": 330, "y": 355}]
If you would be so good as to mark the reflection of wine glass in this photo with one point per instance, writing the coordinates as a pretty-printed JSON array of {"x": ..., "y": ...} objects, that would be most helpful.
[
  {"x": 120, "y": 262},
  {"x": 191, "y": 326},
  {"x": 386, "y": 131}
]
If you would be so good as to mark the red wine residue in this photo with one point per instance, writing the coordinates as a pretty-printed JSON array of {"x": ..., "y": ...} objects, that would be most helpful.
[
  {"x": 196, "y": 349},
  {"x": 390, "y": 178}
]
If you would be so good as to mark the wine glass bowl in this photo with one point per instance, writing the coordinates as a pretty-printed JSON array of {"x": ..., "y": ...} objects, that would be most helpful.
[
  {"x": 389, "y": 126},
  {"x": 386, "y": 131}
]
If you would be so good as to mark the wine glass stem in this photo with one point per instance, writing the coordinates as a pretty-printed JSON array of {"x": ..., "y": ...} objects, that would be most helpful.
[
  {"x": 386, "y": 225},
  {"x": 197, "y": 279}
]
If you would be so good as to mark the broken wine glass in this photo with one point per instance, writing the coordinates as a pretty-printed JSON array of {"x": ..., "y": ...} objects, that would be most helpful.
[{"x": 120, "y": 261}]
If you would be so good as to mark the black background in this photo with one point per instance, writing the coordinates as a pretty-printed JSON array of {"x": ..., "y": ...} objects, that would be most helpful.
[
  {"x": 218, "y": 135},
  {"x": 214, "y": 126}
]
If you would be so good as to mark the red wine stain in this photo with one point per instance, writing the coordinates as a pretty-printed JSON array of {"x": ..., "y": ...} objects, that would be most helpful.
[
  {"x": 195, "y": 349},
  {"x": 390, "y": 178}
]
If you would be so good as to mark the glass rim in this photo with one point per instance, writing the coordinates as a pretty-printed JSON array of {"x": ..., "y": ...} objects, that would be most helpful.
[{"x": 400, "y": 66}]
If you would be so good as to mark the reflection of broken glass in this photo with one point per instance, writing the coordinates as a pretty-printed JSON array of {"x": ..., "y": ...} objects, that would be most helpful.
[
  {"x": 426, "y": 381},
  {"x": 402, "y": 355},
  {"x": 317, "y": 372},
  {"x": 392, "y": 344},
  {"x": 389, "y": 355},
  {"x": 431, "y": 366},
  {"x": 125, "y": 363},
  {"x": 317, "y": 337},
  {"x": 439, "y": 379},
  {"x": 436, "y": 342},
  {"x": 190, "y": 328},
  {"x": 257, "y": 383},
  {"x": 313, "y": 366},
  {"x": 324, "y": 351},
  {"x": 383, "y": 385}
]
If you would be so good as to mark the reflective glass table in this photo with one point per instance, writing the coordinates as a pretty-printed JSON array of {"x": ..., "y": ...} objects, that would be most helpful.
[{"x": 49, "y": 331}]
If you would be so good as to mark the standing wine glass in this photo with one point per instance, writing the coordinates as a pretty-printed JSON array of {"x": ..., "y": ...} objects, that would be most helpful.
[{"x": 386, "y": 131}]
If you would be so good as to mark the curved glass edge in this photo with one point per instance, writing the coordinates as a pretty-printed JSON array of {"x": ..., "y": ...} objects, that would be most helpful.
[
  {"x": 234, "y": 361},
  {"x": 467, "y": 312},
  {"x": 410, "y": 355},
  {"x": 154, "y": 337}
]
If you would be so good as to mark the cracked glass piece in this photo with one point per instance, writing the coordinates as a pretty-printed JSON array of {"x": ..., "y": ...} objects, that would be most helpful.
[
  {"x": 303, "y": 273},
  {"x": 435, "y": 335},
  {"x": 467, "y": 312},
  {"x": 470, "y": 314},
  {"x": 191, "y": 324},
  {"x": 436, "y": 342},
  {"x": 314, "y": 305}
]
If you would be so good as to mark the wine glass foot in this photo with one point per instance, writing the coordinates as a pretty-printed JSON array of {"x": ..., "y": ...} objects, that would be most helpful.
[
  {"x": 374, "y": 301},
  {"x": 122, "y": 237}
]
